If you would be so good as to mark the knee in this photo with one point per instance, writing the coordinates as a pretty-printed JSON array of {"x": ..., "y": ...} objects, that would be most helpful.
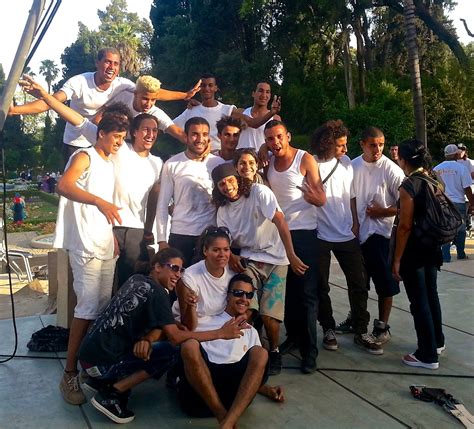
[
  {"x": 258, "y": 355},
  {"x": 190, "y": 349}
]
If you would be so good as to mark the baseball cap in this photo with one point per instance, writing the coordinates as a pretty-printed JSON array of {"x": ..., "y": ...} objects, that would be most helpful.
[
  {"x": 450, "y": 149},
  {"x": 462, "y": 146}
]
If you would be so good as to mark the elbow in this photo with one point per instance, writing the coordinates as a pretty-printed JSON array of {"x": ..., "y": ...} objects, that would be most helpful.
[{"x": 60, "y": 187}]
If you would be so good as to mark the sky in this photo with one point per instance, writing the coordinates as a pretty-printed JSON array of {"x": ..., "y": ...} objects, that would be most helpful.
[{"x": 63, "y": 30}]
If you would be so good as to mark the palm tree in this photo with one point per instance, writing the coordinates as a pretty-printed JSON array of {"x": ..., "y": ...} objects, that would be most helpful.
[{"x": 50, "y": 71}]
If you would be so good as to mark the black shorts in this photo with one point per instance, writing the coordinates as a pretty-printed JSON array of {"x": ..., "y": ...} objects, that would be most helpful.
[
  {"x": 375, "y": 251},
  {"x": 226, "y": 379}
]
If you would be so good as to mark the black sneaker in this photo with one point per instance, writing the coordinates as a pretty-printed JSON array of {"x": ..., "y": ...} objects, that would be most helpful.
[
  {"x": 308, "y": 365},
  {"x": 274, "y": 363},
  {"x": 345, "y": 327},
  {"x": 113, "y": 404},
  {"x": 287, "y": 346},
  {"x": 91, "y": 384}
]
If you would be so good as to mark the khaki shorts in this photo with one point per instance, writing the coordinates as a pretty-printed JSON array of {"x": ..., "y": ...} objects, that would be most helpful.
[{"x": 270, "y": 282}]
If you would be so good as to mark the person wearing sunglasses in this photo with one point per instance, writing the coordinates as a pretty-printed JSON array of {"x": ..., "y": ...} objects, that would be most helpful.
[
  {"x": 127, "y": 343},
  {"x": 202, "y": 290},
  {"x": 258, "y": 227},
  {"x": 221, "y": 378}
]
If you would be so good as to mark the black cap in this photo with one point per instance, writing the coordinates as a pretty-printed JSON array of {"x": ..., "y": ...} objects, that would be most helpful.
[{"x": 221, "y": 171}]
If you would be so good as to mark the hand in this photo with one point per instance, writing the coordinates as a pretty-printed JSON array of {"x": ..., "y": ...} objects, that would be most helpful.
[
  {"x": 193, "y": 90},
  {"x": 192, "y": 103},
  {"x": 310, "y": 194},
  {"x": 276, "y": 105},
  {"x": 275, "y": 393},
  {"x": 235, "y": 264},
  {"x": 233, "y": 328},
  {"x": 470, "y": 209},
  {"x": 297, "y": 265},
  {"x": 110, "y": 211},
  {"x": 396, "y": 271},
  {"x": 355, "y": 229},
  {"x": 263, "y": 157},
  {"x": 190, "y": 297},
  {"x": 375, "y": 210},
  {"x": 181, "y": 327},
  {"x": 32, "y": 87},
  {"x": 163, "y": 245},
  {"x": 142, "y": 349},
  {"x": 98, "y": 116},
  {"x": 116, "y": 247}
]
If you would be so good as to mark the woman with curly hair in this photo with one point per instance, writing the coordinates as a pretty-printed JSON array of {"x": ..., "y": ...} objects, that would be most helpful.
[
  {"x": 246, "y": 163},
  {"x": 251, "y": 213}
]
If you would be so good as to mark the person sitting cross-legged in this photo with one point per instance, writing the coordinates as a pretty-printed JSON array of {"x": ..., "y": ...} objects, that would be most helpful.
[
  {"x": 126, "y": 344},
  {"x": 221, "y": 378}
]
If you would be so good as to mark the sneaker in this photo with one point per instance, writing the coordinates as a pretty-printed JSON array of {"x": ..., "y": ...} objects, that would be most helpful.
[
  {"x": 308, "y": 365},
  {"x": 71, "y": 389},
  {"x": 381, "y": 332},
  {"x": 113, "y": 404},
  {"x": 330, "y": 341},
  {"x": 367, "y": 342},
  {"x": 345, "y": 327},
  {"x": 287, "y": 346},
  {"x": 441, "y": 349},
  {"x": 411, "y": 360},
  {"x": 274, "y": 363}
]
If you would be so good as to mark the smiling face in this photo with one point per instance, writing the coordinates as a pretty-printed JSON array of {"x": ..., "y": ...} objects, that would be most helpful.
[
  {"x": 372, "y": 148},
  {"x": 208, "y": 89},
  {"x": 144, "y": 101},
  {"x": 145, "y": 136},
  {"x": 229, "y": 187},
  {"x": 247, "y": 166},
  {"x": 217, "y": 254},
  {"x": 197, "y": 140},
  {"x": 262, "y": 94},
  {"x": 278, "y": 140},
  {"x": 107, "y": 68},
  {"x": 229, "y": 137},
  {"x": 110, "y": 142},
  {"x": 167, "y": 274},
  {"x": 237, "y": 306}
]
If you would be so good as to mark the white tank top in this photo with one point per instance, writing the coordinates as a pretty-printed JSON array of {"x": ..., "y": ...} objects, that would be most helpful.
[
  {"x": 252, "y": 137},
  {"x": 298, "y": 213}
]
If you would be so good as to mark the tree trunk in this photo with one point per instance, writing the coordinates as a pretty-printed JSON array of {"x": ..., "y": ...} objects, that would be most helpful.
[
  {"x": 360, "y": 58},
  {"x": 414, "y": 66},
  {"x": 348, "y": 70}
]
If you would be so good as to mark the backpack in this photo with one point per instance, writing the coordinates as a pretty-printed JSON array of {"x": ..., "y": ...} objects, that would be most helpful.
[
  {"x": 49, "y": 339},
  {"x": 441, "y": 220}
]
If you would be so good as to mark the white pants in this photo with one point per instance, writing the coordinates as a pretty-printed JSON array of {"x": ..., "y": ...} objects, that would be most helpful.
[{"x": 93, "y": 280}]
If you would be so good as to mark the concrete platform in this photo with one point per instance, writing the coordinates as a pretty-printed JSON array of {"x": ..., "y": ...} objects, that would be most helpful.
[{"x": 351, "y": 389}]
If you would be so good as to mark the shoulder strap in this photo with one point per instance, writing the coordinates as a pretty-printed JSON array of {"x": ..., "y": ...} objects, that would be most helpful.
[
  {"x": 427, "y": 179},
  {"x": 331, "y": 172}
]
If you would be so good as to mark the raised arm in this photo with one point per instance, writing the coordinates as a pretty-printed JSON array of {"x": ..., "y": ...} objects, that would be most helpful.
[
  {"x": 313, "y": 189},
  {"x": 54, "y": 102},
  {"x": 187, "y": 300},
  {"x": 258, "y": 122},
  {"x": 167, "y": 95}
]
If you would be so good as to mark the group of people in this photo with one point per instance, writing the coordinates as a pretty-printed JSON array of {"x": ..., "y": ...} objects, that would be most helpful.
[{"x": 240, "y": 246}]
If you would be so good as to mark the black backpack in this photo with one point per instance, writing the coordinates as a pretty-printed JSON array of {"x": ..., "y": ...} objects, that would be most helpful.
[
  {"x": 441, "y": 220},
  {"x": 49, "y": 339}
]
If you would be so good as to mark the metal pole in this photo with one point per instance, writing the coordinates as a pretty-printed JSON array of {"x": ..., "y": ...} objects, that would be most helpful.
[{"x": 20, "y": 58}]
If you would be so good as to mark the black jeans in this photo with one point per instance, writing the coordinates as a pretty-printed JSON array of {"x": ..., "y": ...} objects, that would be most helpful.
[
  {"x": 185, "y": 243},
  {"x": 422, "y": 292},
  {"x": 349, "y": 256},
  {"x": 301, "y": 300}
]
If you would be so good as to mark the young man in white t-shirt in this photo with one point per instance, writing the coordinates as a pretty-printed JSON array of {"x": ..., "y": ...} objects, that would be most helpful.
[
  {"x": 221, "y": 378},
  {"x": 292, "y": 173},
  {"x": 213, "y": 110},
  {"x": 186, "y": 179},
  {"x": 337, "y": 233},
  {"x": 228, "y": 131},
  {"x": 376, "y": 183},
  {"x": 255, "y": 137}
]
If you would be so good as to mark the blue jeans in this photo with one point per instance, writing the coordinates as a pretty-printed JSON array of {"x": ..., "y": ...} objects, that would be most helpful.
[
  {"x": 460, "y": 239},
  {"x": 422, "y": 291}
]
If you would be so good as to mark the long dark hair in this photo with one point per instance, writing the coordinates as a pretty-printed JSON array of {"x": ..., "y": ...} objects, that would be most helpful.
[
  {"x": 415, "y": 153},
  {"x": 245, "y": 186}
]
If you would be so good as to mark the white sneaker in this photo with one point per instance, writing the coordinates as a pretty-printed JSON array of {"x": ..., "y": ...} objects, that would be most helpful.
[
  {"x": 441, "y": 349},
  {"x": 411, "y": 360}
]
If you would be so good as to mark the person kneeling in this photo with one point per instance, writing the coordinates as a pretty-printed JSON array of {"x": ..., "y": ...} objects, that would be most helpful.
[
  {"x": 222, "y": 378},
  {"x": 122, "y": 349}
]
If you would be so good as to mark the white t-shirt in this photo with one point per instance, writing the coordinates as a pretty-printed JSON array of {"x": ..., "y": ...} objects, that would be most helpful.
[
  {"x": 134, "y": 177},
  {"x": 81, "y": 228},
  {"x": 335, "y": 217},
  {"x": 250, "y": 224},
  {"x": 211, "y": 114},
  {"x": 299, "y": 214},
  {"x": 87, "y": 99},
  {"x": 469, "y": 164},
  {"x": 189, "y": 183},
  {"x": 252, "y": 137},
  {"x": 126, "y": 97},
  {"x": 375, "y": 182},
  {"x": 455, "y": 178},
  {"x": 211, "y": 291},
  {"x": 228, "y": 351}
]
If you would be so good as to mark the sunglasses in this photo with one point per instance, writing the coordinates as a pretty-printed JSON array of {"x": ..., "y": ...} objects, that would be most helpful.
[
  {"x": 175, "y": 268},
  {"x": 239, "y": 293},
  {"x": 212, "y": 230}
]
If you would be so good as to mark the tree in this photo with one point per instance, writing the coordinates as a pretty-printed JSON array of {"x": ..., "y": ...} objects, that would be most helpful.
[{"x": 50, "y": 71}]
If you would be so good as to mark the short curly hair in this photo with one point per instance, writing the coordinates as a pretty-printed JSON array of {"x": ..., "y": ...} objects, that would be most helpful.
[{"x": 324, "y": 138}]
